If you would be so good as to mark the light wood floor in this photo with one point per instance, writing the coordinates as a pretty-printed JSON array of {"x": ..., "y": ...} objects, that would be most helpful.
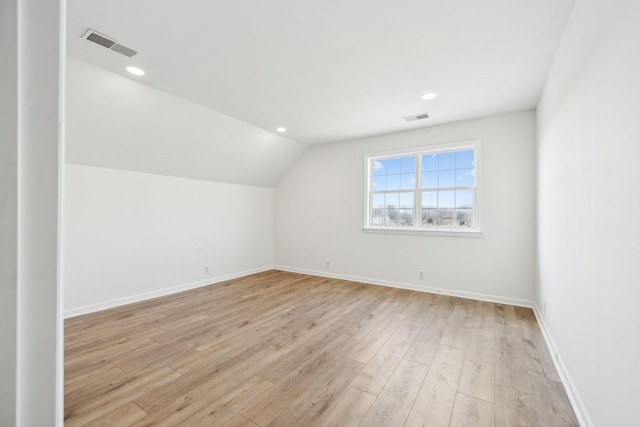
[{"x": 284, "y": 349}]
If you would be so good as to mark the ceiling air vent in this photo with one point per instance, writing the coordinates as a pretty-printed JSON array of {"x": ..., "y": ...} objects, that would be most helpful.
[
  {"x": 416, "y": 117},
  {"x": 108, "y": 42}
]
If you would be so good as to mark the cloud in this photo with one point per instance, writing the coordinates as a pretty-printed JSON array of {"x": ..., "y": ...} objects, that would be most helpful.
[
  {"x": 471, "y": 173},
  {"x": 377, "y": 165}
]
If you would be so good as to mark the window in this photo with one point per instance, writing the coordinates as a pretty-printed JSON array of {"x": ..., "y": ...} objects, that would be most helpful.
[{"x": 429, "y": 189}]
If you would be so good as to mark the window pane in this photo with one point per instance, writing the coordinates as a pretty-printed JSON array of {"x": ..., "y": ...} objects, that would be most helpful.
[
  {"x": 429, "y": 217},
  {"x": 392, "y": 217},
  {"x": 377, "y": 217},
  {"x": 430, "y": 180},
  {"x": 446, "y": 199},
  {"x": 379, "y": 183},
  {"x": 465, "y": 178},
  {"x": 430, "y": 199},
  {"x": 406, "y": 217},
  {"x": 408, "y": 164},
  {"x": 445, "y": 217},
  {"x": 378, "y": 200},
  {"x": 464, "y": 198},
  {"x": 447, "y": 179},
  {"x": 392, "y": 200},
  {"x": 406, "y": 200},
  {"x": 465, "y": 159},
  {"x": 445, "y": 194},
  {"x": 393, "y": 182},
  {"x": 430, "y": 162},
  {"x": 446, "y": 161},
  {"x": 464, "y": 217},
  {"x": 377, "y": 167},
  {"x": 392, "y": 165},
  {"x": 408, "y": 181}
]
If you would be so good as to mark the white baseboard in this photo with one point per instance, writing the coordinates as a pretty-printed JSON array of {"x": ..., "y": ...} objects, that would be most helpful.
[
  {"x": 411, "y": 287},
  {"x": 73, "y": 312},
  {"x": 572, "y": 392}
]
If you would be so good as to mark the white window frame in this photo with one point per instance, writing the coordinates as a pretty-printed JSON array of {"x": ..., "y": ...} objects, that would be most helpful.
[{"x": 474, "y": 231}]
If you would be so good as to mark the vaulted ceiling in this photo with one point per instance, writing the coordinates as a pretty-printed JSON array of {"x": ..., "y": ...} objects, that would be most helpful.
[{"x": 332, "y": 70}]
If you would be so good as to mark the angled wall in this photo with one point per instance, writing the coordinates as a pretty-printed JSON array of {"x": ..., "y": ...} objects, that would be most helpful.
[
  {"x": 158, "y": 189},
  {"x": 120, "y": 123}
]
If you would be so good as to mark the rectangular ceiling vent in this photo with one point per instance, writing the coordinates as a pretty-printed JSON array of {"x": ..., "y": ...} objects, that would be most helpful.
[
  {"x": 108, "y": 42},
  {"x": 416, "y": 117}
]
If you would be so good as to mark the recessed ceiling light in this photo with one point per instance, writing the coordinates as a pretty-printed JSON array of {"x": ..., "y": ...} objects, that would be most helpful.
[
  {"x": 429, "y": 95},
  {"x": 136, "y": 71},
  {"x": 281, "y": 129}
]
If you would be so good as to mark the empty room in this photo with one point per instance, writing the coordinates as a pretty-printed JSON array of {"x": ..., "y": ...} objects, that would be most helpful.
[{"x": 305, "y": 213}]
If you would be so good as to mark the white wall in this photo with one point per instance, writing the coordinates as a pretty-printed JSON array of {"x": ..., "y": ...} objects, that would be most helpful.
[
  {"x": 158, "y": 188},
  {"x": 588, "y": 204},
  {"x": 319, "y": 214},
  {"x": 8, "y": 211},
  {"x": 119, "y": 123},
  {"x": 31, "y": 55},
  {"x": 131, "y": 235}
]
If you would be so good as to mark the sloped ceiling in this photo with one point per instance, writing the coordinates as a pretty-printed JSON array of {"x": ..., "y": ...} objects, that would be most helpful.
[
  {"x": 114, "y": 122},
  {"x": 332, "y": 70}
]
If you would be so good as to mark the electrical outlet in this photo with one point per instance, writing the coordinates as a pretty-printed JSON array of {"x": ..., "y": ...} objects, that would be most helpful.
[
  {"x": 421, "y": 274},
  {"x": 206, "y": 269},
  {"x": 327, "y": 264}
]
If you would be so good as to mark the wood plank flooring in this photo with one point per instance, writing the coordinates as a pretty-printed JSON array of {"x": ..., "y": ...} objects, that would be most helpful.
[{"x": 285, "y": 349}]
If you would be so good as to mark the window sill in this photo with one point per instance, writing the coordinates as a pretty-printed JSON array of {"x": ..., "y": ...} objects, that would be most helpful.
[{"x": 474, "y": 232}]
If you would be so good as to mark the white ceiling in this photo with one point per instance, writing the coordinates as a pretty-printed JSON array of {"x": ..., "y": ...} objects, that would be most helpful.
[{"x": 332, "y": 70}]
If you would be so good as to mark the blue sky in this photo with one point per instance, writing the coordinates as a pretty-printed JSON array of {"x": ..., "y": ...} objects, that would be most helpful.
[{"x": 441, "y": 170}]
